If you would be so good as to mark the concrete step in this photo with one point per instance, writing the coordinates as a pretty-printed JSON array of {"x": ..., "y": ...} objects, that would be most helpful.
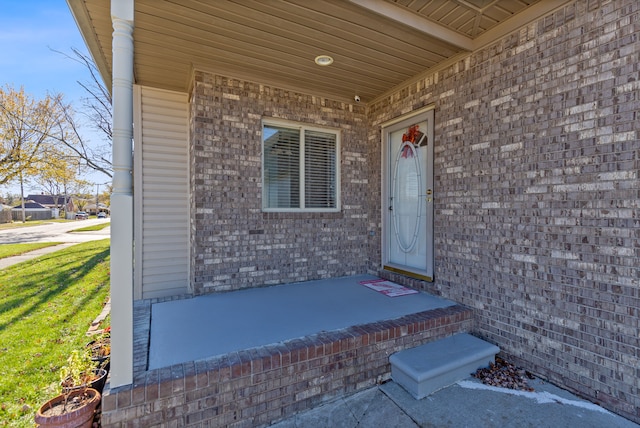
[{"x": 435, "y": 365}]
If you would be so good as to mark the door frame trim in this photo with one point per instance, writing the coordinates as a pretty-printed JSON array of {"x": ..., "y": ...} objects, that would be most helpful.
[{"x": 406, "y": 116}]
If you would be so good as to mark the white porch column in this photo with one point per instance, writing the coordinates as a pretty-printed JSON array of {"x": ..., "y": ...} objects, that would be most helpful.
[{"x": 122, "y": 196}]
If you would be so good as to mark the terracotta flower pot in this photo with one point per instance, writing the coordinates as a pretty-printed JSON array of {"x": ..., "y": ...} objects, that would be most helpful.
[{"x": 49, "y": 415}]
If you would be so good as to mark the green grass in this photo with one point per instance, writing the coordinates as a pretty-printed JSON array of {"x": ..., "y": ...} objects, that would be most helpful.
[
  {"x": 46, "y": 307},
  {"x": 9, "y": 250},
  {"x": 91, "y": 228}
]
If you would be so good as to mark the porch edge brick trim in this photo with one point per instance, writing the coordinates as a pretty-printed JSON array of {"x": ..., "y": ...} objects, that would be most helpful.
[{"x": 258, "y": 386}]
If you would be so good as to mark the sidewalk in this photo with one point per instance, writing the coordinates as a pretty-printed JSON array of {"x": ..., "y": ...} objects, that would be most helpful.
[
  {"x": 467, "y": 403},
  {"x": 50, "y": 232},
  {"x": 10, "y": 261}
]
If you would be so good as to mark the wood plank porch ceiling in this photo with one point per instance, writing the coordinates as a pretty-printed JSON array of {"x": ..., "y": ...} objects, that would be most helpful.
[{"x": 376, "y": 44}]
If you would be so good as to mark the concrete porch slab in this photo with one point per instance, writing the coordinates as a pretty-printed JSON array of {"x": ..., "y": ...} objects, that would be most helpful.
[
  {"x": 212, "y": 325},
  {"x": 254, "y": 357}
]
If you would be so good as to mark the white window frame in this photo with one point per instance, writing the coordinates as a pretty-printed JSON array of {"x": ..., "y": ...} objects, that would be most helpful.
[{"x": 302, "y": 128}]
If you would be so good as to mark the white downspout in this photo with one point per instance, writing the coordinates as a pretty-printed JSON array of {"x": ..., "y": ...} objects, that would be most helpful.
[{"x": 122, "y": 196}]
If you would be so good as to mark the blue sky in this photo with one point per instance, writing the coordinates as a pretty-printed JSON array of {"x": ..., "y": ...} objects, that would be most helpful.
[{"x": 29, "y": 32}]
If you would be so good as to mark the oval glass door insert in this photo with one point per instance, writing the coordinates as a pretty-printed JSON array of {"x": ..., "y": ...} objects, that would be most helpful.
[{"x": 406, "y": 191}]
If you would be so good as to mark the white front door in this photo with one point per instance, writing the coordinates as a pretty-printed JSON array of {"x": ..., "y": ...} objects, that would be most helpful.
[{"x": 408, "y": 196}]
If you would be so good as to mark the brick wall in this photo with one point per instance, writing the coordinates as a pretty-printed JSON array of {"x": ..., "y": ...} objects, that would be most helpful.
[
  {"x": 234, "y": 244},
  {"x": 537, "y": 219}
]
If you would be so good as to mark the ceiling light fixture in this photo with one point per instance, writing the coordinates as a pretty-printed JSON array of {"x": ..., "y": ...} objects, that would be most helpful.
[{"x": 324, "y": 60}]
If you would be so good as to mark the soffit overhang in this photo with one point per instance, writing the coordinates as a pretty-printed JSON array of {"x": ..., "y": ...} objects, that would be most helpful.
[{"x": 377, "y": 45}]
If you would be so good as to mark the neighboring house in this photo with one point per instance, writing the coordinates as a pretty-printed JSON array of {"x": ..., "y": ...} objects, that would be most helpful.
[
  {"x": 516, "y": 125},
  {"x": 32, "y": 211},
  {"x": 51, "y": 201}
]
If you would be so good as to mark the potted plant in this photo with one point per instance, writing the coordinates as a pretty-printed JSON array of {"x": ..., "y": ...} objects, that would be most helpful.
[
  {"x": 100, "y": 348},
  {"x": 76, "y": 405},
  {"x": 81, "y": 372}
]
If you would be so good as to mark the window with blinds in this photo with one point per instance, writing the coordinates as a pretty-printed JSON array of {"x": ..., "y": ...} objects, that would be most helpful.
[{"x": 300, "y": 168}]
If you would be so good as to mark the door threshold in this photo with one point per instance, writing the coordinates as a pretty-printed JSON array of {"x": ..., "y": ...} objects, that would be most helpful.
[{"x": 408, "y": 273}]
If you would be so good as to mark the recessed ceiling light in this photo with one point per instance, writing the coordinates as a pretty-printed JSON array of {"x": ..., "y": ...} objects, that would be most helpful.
[{"x": 324, "y": 60}]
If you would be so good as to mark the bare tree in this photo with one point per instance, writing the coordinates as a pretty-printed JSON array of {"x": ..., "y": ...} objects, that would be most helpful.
[
  {"x": 68, "y": 133},
  {"x": 99, "y": 102},
  {"x": 97, "y": 111}
]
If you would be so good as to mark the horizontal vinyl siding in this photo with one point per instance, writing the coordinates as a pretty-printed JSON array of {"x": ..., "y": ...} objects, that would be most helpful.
[{"x": 165, "y": 187}]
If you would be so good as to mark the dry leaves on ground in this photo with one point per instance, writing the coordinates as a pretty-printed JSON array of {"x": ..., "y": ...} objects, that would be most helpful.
[{"x": 504, "y": 375}]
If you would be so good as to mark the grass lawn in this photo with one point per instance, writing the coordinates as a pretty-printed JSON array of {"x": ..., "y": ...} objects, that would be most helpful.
[
  {"x": 99, "y": 226},
  {"x": 46, "y": 307},
  {"x": 9, "y": 250}
]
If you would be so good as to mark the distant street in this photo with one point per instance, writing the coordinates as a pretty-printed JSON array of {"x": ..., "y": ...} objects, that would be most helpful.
[{"x": 55, "y": 232}]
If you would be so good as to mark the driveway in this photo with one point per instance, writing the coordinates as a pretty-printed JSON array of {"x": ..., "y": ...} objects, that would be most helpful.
[{"x": 55, "y": 232}]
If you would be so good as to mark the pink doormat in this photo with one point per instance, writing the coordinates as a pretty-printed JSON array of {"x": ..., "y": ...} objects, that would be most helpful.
[{"x": 388, "y": 288}]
